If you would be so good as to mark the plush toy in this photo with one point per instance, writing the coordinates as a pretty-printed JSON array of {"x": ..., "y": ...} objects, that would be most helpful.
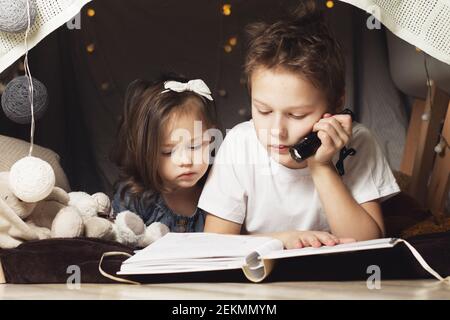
[{"x": 62, "y": 214}]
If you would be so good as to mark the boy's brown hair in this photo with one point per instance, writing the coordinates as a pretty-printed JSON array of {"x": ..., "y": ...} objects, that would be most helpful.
[{"x": 301, "y": 44}]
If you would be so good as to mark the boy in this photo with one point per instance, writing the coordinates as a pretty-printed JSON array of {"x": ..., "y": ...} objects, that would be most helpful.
[{"x": 296, "y": 78}]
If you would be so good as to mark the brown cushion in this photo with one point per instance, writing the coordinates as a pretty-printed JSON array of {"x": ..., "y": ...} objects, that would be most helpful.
[{"x": 47, "y": 261}]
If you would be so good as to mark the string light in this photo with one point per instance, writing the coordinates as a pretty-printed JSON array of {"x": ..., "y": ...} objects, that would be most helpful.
[
  {"x": 90, "y": 12},
  {"x": 227, "y": 48},
  {"x": 441, "y": 145},
  {"x": 243, "y": 112},
  {"x": 426, "y": 116},
  {"x": 90, "y": 48},
  {"x": 226, "y": 9},
  {"x": 104, "y": 86},
  {"x": 30, "y": 80},
  {"x": 330, "y": 4},
  {"x": 232, "y": 41}
]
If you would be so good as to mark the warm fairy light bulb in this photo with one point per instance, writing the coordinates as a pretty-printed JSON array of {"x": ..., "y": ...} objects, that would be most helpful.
[
  {"x": 90, "y": 12},
  {"x": 330, "y": 4},
  {"x": 90, "y": 48},
  {"x": 439, "y": 147},
  {"x": 226, "y": 9},
  {"x": 227, "y": 48},
  {"x": 232, "y": 41},
  {"x": 104, "y": 86}
]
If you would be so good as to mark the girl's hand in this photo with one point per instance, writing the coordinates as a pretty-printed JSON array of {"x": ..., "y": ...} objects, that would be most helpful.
[
  {"x": 300, "y": 239},
  {"x": 334, "y": 132}
]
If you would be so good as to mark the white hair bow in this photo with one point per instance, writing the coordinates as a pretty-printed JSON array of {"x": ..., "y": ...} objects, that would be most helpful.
[{"x": 197, "y": 86}]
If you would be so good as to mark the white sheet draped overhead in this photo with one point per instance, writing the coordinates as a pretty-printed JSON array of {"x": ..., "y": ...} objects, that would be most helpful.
[
  {"x": 423, "y": 23},
  {"x": 51, "y": 14}
]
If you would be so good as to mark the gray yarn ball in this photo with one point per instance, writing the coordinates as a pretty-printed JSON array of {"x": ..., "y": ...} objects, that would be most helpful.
[
  {"x": 14, "y": 15},
  {"x": 16, "y": 104}
]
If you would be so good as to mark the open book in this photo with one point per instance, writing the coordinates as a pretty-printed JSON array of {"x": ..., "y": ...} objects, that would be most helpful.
[{"x": 196, "y": 252}]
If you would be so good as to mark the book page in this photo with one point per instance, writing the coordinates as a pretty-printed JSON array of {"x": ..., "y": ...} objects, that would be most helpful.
[
  {"x": 348, "y": 247},
  {"x": 198, "y": 245},
  {"x": 178, "y": 269}
]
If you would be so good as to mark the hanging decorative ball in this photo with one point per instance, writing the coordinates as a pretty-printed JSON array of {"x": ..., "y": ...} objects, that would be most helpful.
[
  {"x": 14, "y": 15},
  {"x": 16, "y": 103},
  {"x": 31, "y": 179}
]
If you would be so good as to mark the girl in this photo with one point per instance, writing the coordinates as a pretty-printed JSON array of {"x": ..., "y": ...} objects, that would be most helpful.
[{"x": 163, "y": 151}]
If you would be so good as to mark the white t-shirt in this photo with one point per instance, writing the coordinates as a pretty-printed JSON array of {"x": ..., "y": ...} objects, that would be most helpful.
[{"x": 248, "y": 187}]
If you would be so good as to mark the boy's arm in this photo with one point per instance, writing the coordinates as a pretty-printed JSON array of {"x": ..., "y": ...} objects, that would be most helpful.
[
  {"x": 214, "y": 224},
  {"x": 345, "y": 216},
  {"x": 292, "y": 239}
]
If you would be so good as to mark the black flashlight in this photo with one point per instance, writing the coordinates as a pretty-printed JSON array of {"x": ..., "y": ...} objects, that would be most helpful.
[{"x": 309, "y": 144}]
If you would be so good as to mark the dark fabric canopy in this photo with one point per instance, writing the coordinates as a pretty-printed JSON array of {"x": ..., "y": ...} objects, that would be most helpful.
[{"x": 141, "y": 38}]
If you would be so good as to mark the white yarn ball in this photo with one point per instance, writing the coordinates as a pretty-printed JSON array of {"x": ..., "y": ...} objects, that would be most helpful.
[
  {"x": 14, "y": 15},
  {"x": 31, "y": 179}
]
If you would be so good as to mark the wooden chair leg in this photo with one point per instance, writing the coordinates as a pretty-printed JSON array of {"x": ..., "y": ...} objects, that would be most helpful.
[
  {"x": 409, "y": 152},
  {"x": 440, "y": 178},
  {"x": 436, "y": 108}
]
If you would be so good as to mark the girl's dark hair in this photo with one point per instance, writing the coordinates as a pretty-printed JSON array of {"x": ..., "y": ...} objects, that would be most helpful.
[
  {"x": 145, "y": 113},
  {"x": 303, "y": 44}
]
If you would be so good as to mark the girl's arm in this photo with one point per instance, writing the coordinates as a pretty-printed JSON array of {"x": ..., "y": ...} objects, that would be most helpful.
[{"x": 345, "y": 216}]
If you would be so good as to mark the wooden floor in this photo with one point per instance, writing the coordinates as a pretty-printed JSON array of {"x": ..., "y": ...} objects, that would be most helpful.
[{"x": 417, "y": 289}]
